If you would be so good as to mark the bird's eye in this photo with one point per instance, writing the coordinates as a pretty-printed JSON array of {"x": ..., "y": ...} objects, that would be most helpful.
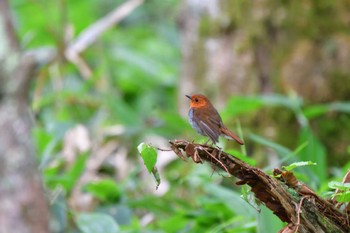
[{"x": 196, "y": 99}]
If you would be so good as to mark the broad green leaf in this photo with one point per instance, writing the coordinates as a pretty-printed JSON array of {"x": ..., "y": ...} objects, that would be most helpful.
[
  {"x": 249, "y": 197},
  {"x": 281, "y": 150},
  {"x": 174, "y": 223},
  {"x": 96, "y": 223},
  {"x": 236, "y": 224},
  {"x": 149, "y": 155},
  {"x": 343, "y": 196},
  {"x": 105, "y": 190},
  {"x": 173, "y": 124},
  {"x": 315, "y": 111},
  {"x": 339, "y": 185},
  {"x": 46, "y": 144},
  {"x": 41, "y": 138},
  {"x": 300, "y": 148},
  {"x": 125, "y": 112},
  {"x": 268, "y": 222},
  {"x": 290, "y": 102},
  {"x": 239, "y": 105},
  {"x": 318, "y": 110},
  {"x": 316, "y": 152},
  {"x": 340, "y": 106},
  {"x": 72, "y": 175},
  {"x": 298, "y": 164},
  {"x": 69, "y": 178},
  {"x": 237, "y": 205}
]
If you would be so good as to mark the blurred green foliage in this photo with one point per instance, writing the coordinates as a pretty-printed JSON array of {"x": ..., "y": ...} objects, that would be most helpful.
[{"x": 130, "y": 98}]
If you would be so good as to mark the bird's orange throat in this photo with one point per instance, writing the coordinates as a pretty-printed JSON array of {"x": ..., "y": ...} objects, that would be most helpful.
[{"x": 198, "y": 105}]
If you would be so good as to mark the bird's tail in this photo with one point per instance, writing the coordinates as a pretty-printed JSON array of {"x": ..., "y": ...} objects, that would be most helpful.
[{"x": 228, "y": 134}]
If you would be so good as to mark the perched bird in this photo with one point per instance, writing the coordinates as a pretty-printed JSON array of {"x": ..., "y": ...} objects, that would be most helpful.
[{"x": 205, "y": 119}]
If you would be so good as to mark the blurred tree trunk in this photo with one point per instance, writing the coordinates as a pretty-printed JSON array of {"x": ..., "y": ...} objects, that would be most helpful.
[
  {"x": 215, "y": 58},
  {"x": 23, "y": 207},
  {"x": 229, "y": 47}
]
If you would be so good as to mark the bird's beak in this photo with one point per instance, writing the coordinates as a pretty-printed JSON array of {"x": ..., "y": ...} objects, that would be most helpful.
[{"x": 188, "y": 96}]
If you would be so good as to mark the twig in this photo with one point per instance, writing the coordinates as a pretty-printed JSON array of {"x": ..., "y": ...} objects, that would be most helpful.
[
  {"x": 161, "y": 149},
  {"x": 298, "y": 213},
  {"x": 90, "y": 34},
  {"x": 221, "y": 164}
]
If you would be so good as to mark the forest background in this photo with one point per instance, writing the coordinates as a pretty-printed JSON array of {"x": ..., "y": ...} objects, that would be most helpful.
[{"x": 110, "y": 75}]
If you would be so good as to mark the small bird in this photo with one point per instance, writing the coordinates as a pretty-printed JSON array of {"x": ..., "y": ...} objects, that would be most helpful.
[{"x": 205, "y": 119}]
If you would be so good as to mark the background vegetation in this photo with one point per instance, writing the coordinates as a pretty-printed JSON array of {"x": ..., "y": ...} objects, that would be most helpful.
[{"x": 87, "y": 129}]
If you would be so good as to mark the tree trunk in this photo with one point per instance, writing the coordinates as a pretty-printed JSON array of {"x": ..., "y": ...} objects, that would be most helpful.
[{"x": 23, "y": 207}]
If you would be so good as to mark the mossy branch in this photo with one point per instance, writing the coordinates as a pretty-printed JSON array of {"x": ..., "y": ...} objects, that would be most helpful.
[{"x": 289, "y": 199}]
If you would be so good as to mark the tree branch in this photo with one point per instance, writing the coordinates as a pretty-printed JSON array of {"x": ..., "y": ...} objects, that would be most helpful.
[
  {"x": 290, "y": 200},
  {"x": 87, "y": 37},
  {"x": 90, "y": 34}
]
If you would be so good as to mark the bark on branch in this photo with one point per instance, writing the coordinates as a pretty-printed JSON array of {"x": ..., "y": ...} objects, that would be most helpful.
[{"x": 289, "y": 199}]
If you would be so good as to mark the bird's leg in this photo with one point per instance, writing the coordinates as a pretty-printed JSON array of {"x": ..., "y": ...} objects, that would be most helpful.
[
  {"x": 217, "y": 160},
  {"x": 206, "y": 143}
]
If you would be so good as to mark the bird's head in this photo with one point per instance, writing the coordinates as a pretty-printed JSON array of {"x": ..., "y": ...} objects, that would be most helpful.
[{"x": 198, "y": 100}]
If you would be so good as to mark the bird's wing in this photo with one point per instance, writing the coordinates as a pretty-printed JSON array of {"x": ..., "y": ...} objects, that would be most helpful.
[
  {"x": 217, "y": 122},
  {"x": 208, "y": 130}
]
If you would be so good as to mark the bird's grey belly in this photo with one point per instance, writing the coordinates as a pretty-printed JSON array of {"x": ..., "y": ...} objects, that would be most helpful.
[{"x": 194, "y": 123}]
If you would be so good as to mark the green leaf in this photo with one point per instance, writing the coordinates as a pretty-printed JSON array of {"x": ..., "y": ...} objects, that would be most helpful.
[
  {"x": 315, "y": 111},
  {"x": 175, "y": 124},
  {"x": 321, "y": 109},
  {"x": 236, "y": 224},
  {"x": 237, "y": 206},
  {"x": 316, "y": 152},
  {"x": 242, "y": 157},
  {"x": 339, "y": 185},
  {"x": 97, "y": 223},
  {"x": 149, "y": 155},
  {"x": 281, "y": 150},
  {"x": 156, "y": 176},
  {"x": 343, "y": 196},
  {"x": 290, "y": 102},
  {"x": 73, "y": 174},
  {"x": 340, "y": 106},
  {"x": 239, "y": 105},
  {"x": 268, "y": 222},
  {"x": 104, "y": 190},
  {"x": 68, "y": 179},
  {"x": 41, "y": 138},
  {"x": 124, "y": 112},
  {"x": 298, "y": 164}
]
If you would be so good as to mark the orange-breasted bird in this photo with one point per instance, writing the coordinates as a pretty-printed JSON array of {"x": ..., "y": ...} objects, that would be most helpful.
[{"x": 205, "y": 119}]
